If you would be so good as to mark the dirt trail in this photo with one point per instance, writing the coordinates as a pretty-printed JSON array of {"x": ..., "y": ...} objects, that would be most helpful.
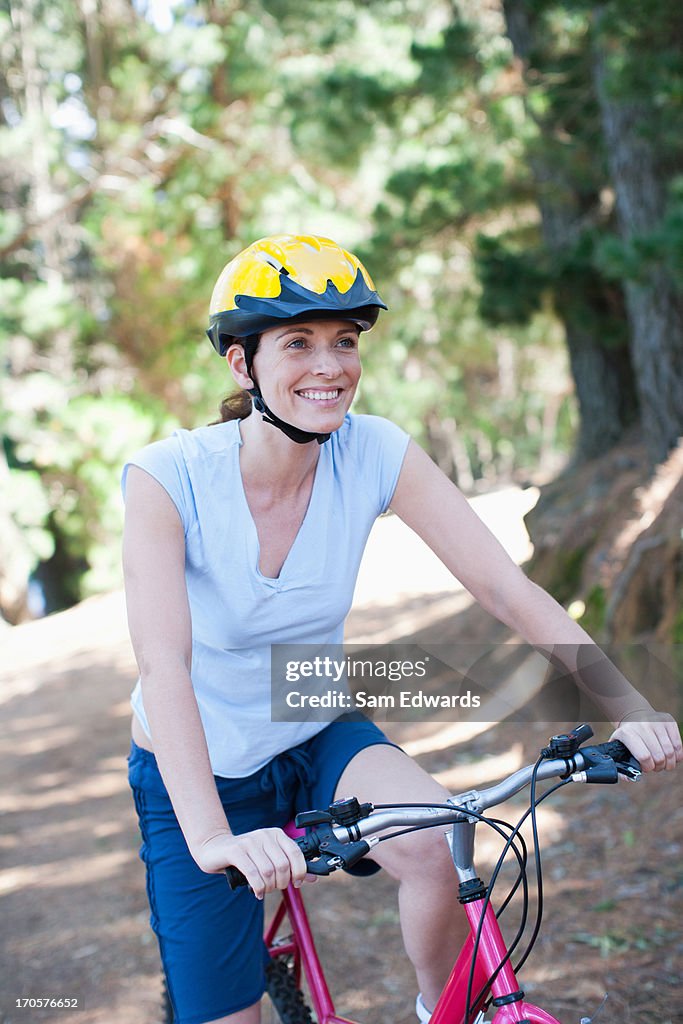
[{"x": 74, "y": 915}]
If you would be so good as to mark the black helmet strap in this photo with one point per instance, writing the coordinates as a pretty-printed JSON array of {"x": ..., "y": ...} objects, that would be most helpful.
[{"x": 250, "y": 344}]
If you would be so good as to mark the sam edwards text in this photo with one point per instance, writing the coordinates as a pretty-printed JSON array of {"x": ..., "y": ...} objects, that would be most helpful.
[{"x": 363, "y": 699}]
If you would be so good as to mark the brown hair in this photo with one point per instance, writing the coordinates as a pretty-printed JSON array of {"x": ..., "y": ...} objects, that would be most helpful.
[{"x": 235, "y": 406}]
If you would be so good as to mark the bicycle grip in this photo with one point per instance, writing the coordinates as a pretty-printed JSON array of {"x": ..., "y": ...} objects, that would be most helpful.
[
  {"x": 617, "y": 750},
  {"x": 235, "y": 877}
]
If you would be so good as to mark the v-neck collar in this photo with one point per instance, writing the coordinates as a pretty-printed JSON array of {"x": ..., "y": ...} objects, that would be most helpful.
[{"x": 274, "y": 581}]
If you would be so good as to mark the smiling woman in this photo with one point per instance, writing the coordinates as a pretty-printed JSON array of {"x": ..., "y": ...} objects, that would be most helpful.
[
  {"x": 306, "y": 373},
  {"x": 300, "y": 338},
  {"x": 249, "y": 533},
  {"x": 299, "y": 280}
]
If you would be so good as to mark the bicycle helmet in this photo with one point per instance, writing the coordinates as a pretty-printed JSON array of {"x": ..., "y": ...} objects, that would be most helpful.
[{"x": 288, "y": 278}]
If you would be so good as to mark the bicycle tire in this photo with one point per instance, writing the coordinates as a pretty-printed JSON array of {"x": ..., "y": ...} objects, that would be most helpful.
[
  {"x": 166, "y": 1005},
  {"x": 285, "y": 995}
]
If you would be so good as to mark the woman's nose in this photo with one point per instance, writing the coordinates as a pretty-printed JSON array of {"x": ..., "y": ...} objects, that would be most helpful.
[{"x": 325, "y": 363}]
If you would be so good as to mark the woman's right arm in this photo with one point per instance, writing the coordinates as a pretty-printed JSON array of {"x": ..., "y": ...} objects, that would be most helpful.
[{"x": 161, "y": 634}]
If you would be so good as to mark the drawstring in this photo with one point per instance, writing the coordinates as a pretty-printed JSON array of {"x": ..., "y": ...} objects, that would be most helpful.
[{"x": 285, "y": 774}]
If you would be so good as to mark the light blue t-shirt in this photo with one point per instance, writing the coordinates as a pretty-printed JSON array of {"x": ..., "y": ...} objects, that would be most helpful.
[{"x": 237, "y": 612}]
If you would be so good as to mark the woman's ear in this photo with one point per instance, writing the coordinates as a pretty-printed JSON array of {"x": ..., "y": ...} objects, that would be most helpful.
[{"x": 238, "y": 365}]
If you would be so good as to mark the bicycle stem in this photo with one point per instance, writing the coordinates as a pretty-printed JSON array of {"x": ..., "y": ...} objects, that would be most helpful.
[{"x": 461, "y": 842}]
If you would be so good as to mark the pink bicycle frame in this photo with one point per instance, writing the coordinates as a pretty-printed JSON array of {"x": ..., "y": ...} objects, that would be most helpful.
[
  {"x": 302, "y": 947},
  {"x": 450, "y": 1008}
]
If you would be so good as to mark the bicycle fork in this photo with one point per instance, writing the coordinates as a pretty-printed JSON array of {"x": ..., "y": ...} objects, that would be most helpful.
[{"x": 507, "y": 996}]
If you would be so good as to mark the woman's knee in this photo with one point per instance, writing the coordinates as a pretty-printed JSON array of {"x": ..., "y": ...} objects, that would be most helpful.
[
  {"x": 384, "y": 774},
  {"x": 422, "y": 858}
]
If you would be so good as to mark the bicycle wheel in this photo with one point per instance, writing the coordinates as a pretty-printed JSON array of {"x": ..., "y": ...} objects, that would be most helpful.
[{"x": 284, "y": 993}]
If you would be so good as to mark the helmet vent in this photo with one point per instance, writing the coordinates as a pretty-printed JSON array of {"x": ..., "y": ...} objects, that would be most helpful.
[{"x": 272, "y": 262}]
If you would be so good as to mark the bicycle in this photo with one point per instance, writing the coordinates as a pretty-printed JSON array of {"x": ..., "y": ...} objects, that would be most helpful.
[{"x": 483, "y": 976}]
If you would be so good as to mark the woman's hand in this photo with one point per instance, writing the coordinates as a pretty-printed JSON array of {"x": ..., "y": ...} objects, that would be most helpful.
[
  {"x": 655, "y": 741},
  {"x": 267, "y": 857}
]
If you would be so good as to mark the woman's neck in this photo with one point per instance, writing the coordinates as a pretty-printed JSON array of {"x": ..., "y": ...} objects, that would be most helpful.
[{"x": 269, "y": 460}]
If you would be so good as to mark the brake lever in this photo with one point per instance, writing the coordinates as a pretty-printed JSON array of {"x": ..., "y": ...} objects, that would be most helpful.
[
  {"x": 601, "y": 764},
  {"x": 627, "y": 764},
  {"x": 630, "y": 771},
  {"x": 325, "y": 853}
]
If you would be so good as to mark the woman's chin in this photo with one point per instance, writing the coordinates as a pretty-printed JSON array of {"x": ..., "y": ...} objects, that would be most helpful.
[
  {"x": 317, "y": 421},
  {"x": 324, "y": 424}
]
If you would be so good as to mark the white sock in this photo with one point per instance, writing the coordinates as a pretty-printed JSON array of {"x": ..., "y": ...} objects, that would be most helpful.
[{"x": 423, "y": 1014}]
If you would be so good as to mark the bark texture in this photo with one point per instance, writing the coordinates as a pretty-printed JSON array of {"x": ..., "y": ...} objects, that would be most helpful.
[
  {"x": 654, "y": 304},
  {"x": 603, "y": 375}
]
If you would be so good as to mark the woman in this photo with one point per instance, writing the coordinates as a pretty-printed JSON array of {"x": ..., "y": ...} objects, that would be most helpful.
[{"x": 249, "y": 533}]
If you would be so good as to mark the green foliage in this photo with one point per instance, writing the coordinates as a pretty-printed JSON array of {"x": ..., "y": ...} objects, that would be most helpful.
[
  {"x": 605, "y": 905},
  {"x": 29, "y": 508},
  {"x": 567, "y": 572},
  {"x": 645, "y": 61},
  {"x": 512, "y": 281},
  {"x": 346, "y": 106},
  {"x": 594, "y": 616},
  {"x": 139, "y": 155},
  {"x": 677, "y": 626},
  {"x": 633, "y": 259},
  {"x": 614, "y": 943},
  {"x": 448, "y": 62}
]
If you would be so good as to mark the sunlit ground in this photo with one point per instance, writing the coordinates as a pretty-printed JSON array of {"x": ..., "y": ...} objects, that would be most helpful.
[{"x": 397, "y": 564}]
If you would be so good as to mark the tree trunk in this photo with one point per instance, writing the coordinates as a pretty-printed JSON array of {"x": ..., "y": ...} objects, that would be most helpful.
[
  {"x": 603, "y": 375},
  {"x": 655, "y": 306}
]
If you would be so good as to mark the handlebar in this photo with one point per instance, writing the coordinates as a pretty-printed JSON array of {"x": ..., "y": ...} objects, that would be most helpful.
[{"x": 346, "y": 832}]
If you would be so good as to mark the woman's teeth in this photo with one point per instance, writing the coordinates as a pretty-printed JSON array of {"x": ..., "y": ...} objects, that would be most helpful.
[{"x": 320, "y": 396}]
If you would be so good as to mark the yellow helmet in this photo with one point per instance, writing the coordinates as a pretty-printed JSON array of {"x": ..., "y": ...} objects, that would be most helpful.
[{"x": 289, "y": 277}]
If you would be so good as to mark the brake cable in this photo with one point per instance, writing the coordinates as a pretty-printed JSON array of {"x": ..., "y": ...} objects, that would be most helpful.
[
  {"x": 522, "y": 856},
  {"x": 494, "y": 876},
  {"x": 492, "y": 822},
  {"x": 521, "y": 860},
  {"x": 539, "y": 872}
]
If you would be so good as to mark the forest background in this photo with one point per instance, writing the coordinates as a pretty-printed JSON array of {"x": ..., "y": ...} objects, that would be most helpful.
[{"x": 512, "y": 175}]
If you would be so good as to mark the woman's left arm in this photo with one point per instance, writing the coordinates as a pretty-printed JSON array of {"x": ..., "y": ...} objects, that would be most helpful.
[{"x": 427, "y": 501}]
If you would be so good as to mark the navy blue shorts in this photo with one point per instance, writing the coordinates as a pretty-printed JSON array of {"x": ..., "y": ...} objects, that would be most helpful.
[{"x": 211, "y": 938}]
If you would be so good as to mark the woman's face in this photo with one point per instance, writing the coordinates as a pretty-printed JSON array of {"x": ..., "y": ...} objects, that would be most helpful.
[{"x": 308, "y": 372}]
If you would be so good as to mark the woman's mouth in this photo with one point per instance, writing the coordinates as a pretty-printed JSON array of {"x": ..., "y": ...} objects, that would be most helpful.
[{"x": 320, "y": 396}]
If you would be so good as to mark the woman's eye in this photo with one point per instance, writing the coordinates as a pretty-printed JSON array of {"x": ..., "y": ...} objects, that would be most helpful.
[{"x": 299, "y": 343}]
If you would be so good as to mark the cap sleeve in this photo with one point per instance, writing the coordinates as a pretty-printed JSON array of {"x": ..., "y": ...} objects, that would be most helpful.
[
  {"x": 381, "y": 448},
  {"x": 164, "y": 461}
]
